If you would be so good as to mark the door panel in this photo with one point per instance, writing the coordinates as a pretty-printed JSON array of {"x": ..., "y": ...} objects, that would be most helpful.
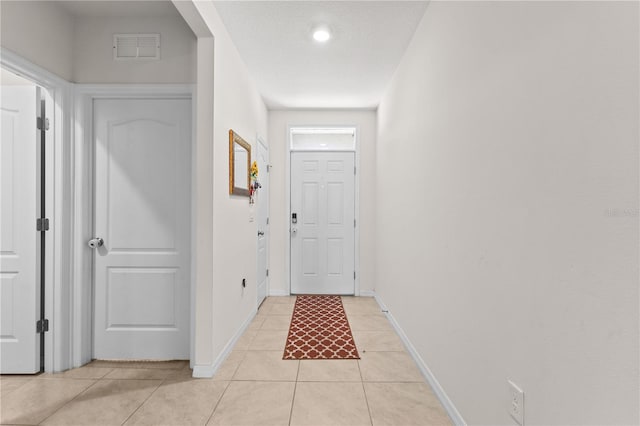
[
  {"x": 263, "y": 221},
  {"x": 323, "y": 239},
  {"x": 139, "y": 194},
  {"x": 19, "y": 240},
  {"x": 142, "y": 211},
  {"x": 310, "y": 198},
  {"x": 128, "y": 291}
]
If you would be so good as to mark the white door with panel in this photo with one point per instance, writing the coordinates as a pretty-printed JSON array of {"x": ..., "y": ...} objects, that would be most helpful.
[
  {"x": 322, "y": 223},
  {"x": 262, "y": 199},
  {"x": 142, "y": 228},
  {"x": 19, "y": 239}
]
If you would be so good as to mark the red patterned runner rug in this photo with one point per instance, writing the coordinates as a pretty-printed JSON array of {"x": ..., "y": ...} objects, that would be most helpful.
[{"x": 319, "y": 330}]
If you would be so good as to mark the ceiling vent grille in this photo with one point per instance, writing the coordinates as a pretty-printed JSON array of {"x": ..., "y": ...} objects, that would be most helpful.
[{"x": 136, "y": 46}]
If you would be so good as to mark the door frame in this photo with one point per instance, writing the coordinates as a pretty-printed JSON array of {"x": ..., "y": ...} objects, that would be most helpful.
[
  {"x": 58, "y": 205},
  {"x": 82, "y": 303},
  {"x": 260, "y": 141},
  {"x": 287, "y": 227}
]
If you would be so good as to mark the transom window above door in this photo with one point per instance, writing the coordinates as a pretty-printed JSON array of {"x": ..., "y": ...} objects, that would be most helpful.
[{"x": 323, "y": 139}]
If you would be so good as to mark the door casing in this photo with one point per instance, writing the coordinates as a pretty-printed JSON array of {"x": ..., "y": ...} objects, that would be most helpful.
[
  {"x": 322, "y": 230},
  {"x": 58, "y": 205},
  {"x": 287, "y": 160},
  {"x": 261, "y": 144},
  {"x": 83, "y": 208}
]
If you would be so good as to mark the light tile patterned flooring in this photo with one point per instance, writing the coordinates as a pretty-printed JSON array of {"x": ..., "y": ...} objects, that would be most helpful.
[{"x": 254, "y": 386}]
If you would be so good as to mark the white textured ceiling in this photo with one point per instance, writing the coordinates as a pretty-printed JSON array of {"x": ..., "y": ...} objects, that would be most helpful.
[{"x": 352, "y": 70}]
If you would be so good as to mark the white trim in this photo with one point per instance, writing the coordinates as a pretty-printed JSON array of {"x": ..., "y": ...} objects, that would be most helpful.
[
  {"x": 278, "y": 292},
  {"x": 194, "y": 230},
  {"x": 58, "y": 206},
  {"x": 446, "y": 402},
  {"x": 203, "y": 371},
  {"x": 356, "y": 213},
  {"x": 137, "y": 91},
  {"x": 207, "y": 371},
  {"x": 260, "y": 141},
  {"x": 17, "y": 64},
  {"x": 288, "y": 151},
  {"x": 83, "y": 208},
  {"x": 368, "y": 293},
  {"x": 287, "y": 219}
]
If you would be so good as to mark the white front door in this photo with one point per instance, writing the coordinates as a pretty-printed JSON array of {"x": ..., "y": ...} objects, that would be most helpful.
[
  {"x": 19, "y": 239},
  {"x": 262, "y": 201},
  {"x": 142, "y": 213},
  {"x": 322, "y": 223}
]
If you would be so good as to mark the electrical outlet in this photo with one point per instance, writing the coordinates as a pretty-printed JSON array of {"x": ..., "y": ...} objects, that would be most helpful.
[{"x": 515, "y": 405}]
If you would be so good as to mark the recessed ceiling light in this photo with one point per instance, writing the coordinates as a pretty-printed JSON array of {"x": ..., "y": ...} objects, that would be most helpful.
[{"x": 321, "y": 35}]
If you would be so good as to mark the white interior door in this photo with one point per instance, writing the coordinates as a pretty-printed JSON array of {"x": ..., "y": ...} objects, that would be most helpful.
[
  {"x": 19, "y": 239},
  {"x": 323, "y": 230},
  {"x": 263, "y": 220},
  {"x": 142, "y": 213}
]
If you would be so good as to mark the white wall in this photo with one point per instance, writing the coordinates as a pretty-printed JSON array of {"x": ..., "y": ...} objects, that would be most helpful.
[
  {"x": 93, "y": 51},
  {"x": 39, "y": 31},
  {"x": 365, "y": 120},
  {"x": 79, "y": 49},
  {"x": 237, "y": 105},
  {"x": 507, "y": 206}
]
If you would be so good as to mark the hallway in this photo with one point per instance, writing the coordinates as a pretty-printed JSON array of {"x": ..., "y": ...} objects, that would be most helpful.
[
  {"x": 254, "y": 386},
  {"x": 496, "y": 211}
]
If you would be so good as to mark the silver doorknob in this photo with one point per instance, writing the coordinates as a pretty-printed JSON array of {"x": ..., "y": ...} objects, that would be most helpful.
[
  {"x": 95, "y": 242},
  {"x": 294, "y": 231}
]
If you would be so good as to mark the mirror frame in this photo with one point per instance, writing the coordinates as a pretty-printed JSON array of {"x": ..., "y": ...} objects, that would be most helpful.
[{"x": 234, "y": 188}]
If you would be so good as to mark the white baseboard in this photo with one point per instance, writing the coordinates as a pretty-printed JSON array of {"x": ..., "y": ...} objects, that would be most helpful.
[
  {"x": 207, "y": 371},
  {"x": 203, "y": 371},
  {"x": 367, "y": 293},
  {"x": 277, "y": 292},
  {"x": 451, "y": 409}
]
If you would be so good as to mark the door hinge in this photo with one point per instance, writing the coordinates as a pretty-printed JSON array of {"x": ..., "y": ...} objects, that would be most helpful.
[
  {"x": 42, "y": 326},
  {"x": 354, "y": 170},
  {"x": 267, "y": 272},
  {"x": 39, "y": 124},
  {"x": 354, "y": 275},
  {"x": 42, "y": 224},
  {"x": 267, "y": 221},
  {"x": 354, "y": 223},
  {"x": 268, "y": 168}
]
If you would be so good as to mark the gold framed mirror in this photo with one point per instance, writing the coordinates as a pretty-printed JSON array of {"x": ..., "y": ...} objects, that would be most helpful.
[{"x": 239, "y": 165}]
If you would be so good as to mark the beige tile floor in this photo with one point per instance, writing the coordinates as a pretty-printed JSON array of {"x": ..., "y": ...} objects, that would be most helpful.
[{"x": 254, "y": 386}]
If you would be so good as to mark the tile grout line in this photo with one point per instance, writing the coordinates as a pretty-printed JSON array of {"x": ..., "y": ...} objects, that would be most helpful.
[
  {"x": 251, "y": 339},
  {"x": 215, "y": 406},
  {"x": 235, "y": 370},
  {"x": 364, "y": 391},
  {"x": 12, "y": 391},
  {"x": 71, "y": 400},
  {"x": 295, "y": 387},
  {"x": 162, "y": 382},
  {"x": 143, "y": 402},
  {"x": 231, "y": 379}
]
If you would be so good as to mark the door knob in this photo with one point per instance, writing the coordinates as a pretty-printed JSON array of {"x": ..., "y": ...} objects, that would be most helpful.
[
  {"x": 95, "y": 242},
  {"x": 294, "y": 231},
  {"x": 260, "y": 233}
]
